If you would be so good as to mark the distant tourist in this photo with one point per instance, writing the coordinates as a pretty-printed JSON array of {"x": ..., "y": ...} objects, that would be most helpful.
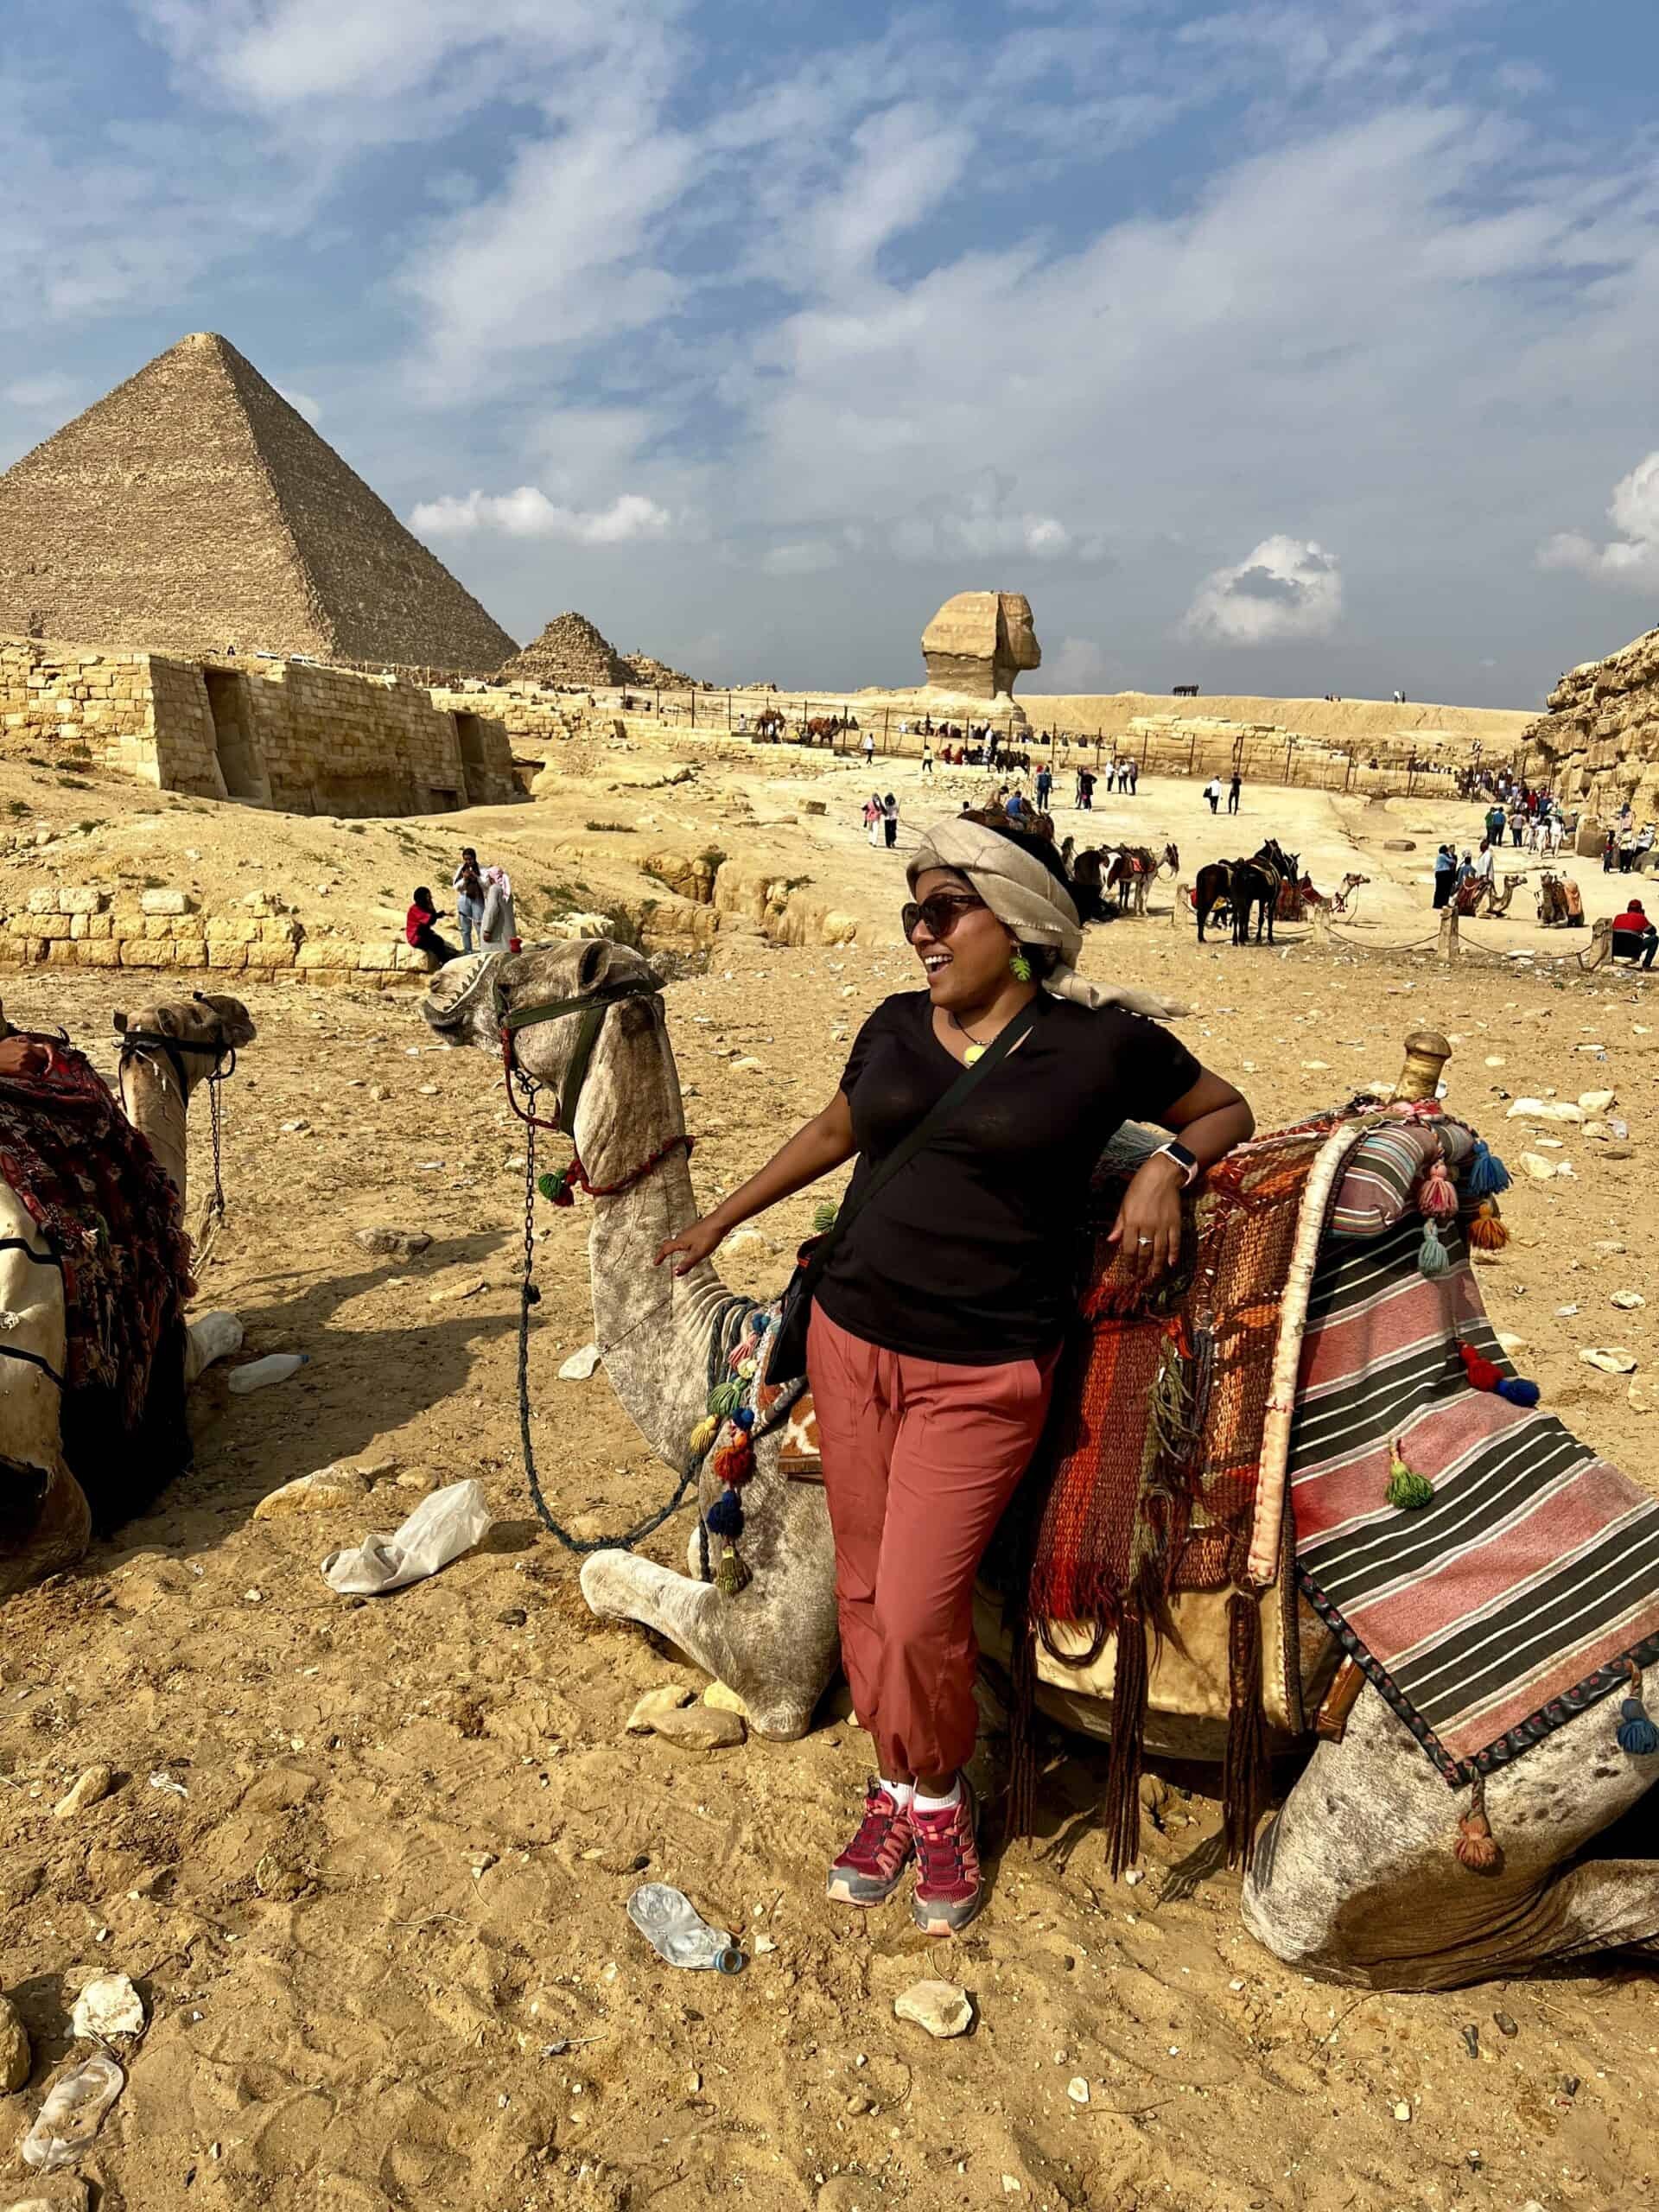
[
  {"x": 468, "y": 885},
  {"x": 1015, "y": 810},
  {"x": 1626, "y": 849},
  {"x": 927, "y": 757},
  {"x": 890, "y": 820},
  {"x": 1634, "y": 921},
  {"x": 1045, "y": 785},
  {"x": 1445, "y": 871},
  {"x": 501, "y": 925},
  {"x": 419, "y": 930},
  {"x": 1212, "y": 792},
  {"x": 1086, "y": 790},
  {"x": 873, "y": 817},
  {"x": 868, "y": 747},
  {"x": 1608, "y": 853},
  {"x": 1233, "y": 791}
]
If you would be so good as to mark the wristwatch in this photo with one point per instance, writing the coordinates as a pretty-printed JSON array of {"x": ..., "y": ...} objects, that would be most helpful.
[{"x": 1185, "y": 1160}]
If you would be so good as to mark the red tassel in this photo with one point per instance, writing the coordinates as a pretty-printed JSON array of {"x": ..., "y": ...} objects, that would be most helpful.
[
  {"x": 1439, "y": 1196},
  {"x": 1483, "y": 1376},
  {"x": 735, "y": 1462},
  {"x": 1476, "y": 1847}
]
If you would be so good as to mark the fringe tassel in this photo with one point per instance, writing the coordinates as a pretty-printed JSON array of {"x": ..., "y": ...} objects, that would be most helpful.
[
  {"x": 1246, "y": 1773},
  {"x": 1122, "y": 1811},
  {"x": 1486, "y": 1230},
  {"x": 1439, "y": 1196},
  {"x": 1476, "y": 1847},
  {"x": 1407, "y": 1490},
  {"x": 1485, "y": 1175},
  {"x": 1433, "y": 1259},
  {"x": 1022, "y": 1732},
  {"x": 732, "y": 1575}
]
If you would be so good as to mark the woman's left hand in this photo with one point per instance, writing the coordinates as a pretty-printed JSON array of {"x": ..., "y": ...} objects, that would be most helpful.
[{"x": 1148, "y": 1229}]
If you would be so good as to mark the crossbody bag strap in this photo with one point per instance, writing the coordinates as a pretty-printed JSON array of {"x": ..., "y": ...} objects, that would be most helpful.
[{"x": 924, "y": 1131}]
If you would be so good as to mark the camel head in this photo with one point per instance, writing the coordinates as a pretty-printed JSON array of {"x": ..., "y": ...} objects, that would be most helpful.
[
  {"x": 467, "y": 997},
  {"x": 209, "y": 1023}
]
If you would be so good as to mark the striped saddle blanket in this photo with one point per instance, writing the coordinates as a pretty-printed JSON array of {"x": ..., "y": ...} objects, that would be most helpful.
[{"x": 1516, "y": 1597}]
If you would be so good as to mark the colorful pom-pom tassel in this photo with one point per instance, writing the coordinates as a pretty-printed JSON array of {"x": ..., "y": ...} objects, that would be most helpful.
[
  {"x": 559, "y": 1189},
  {"x": 1517, "y": 1390},
  {"x": 1476, "y": 1847},
  {"x": 1407, "y": 1491},
  {"x": 1437, "y": 1199},
  {"x": 1485, "y": 1175},
  {"x": 735, "y": 1462},
  {"x": 703, "y": 1435},
  {"x": 759, "y": 1322},
  {"x": 1433, "y": 1258},
  {"x": 725, "y": 1516},
  {"x": 823, "y": 1217},
  {"x": 1482, "y": 1373},
  {"x": 725, "y": 1398},
  {"x": 743, "y": 1417},
  {"x": 745, "y": 1368},
  {"x": 731, "y": 1575},
  {"x": 1636, "y": 1734},
  {"x": 1485, "y": 1228}
]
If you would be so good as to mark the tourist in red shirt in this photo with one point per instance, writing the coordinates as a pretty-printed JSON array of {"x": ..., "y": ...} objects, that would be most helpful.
[
  {"x": 419, "y": 930},
  {"x": 1635, "y": 920}
]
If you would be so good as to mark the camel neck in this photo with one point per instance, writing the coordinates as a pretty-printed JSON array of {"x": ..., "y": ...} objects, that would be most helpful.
[{"x": 159, "y": 1109}]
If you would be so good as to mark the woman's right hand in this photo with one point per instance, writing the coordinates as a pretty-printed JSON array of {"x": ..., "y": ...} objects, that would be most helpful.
[{"x": 695, "y": 1244}]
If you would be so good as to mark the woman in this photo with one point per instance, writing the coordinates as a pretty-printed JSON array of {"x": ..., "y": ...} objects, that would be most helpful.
[
  {"x": 937, "y": 1326},
  {"x": 890, "y": 820},
  {"x": 499, "y": 932},
  {"x": 419, "y": 931},
  {"x": 467, "y": 885},
  {"x": 872, "y": 816}
]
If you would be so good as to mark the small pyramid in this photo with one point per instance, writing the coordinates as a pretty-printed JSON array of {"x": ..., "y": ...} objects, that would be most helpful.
[
  {"x": 570, "y": 651},
  {"x": 193, "y": 508}
]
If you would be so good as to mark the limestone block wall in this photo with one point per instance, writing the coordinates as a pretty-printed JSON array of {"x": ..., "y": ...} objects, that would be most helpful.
[
  {"x": 1601, "y": 739},
  {"x": 143, "y": 714}
]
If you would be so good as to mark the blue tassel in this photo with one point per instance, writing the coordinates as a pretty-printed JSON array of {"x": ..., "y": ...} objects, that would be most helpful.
[
  {"x": 743, "y": 1417},
  {"x": 1636, "y": 1734},
  {"x": 724, "y": 1518},
  {"x": 1518, "y": 1390},
  {"x": 1433, "y": 1258},
  {"x": 759, "y": 1322},
  {"x": 1486, "y": 1175}
]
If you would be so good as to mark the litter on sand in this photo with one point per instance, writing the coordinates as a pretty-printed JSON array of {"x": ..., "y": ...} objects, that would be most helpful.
[
  {"x": 677, "y": 1931},
  {"x": 72, "y": 2114},
  {"x": 441, "y": 1527}
]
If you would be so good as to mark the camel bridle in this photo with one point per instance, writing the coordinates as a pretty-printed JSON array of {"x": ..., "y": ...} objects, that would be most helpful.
[
  {"x": 592, "y": 1006},
  {"x": 135, "y": 1043}
]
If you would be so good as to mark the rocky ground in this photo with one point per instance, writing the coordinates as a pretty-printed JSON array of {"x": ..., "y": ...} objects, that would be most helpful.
[{"x": 367, "y": 1860}]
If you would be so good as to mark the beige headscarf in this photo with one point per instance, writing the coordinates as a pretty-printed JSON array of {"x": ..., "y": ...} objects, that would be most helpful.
[{"x": 1034, "y": 905}]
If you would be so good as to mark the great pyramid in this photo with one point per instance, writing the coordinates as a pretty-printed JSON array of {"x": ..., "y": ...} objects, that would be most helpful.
[
  {"x": 571, "y": 650},
  {"x": 193, "y": 508}
]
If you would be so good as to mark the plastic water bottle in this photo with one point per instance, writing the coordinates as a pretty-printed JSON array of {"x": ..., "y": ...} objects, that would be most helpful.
[
  {"x": 275, "y": 1367},
  {"x": 677, "y": 1931},
  {"x": 72, "y": 2114}
]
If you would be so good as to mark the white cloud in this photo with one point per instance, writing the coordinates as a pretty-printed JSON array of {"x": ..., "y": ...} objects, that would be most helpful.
[
  {"x": 1630, "y": 561},
  {"x": 50, "y": 394},
  {"x": 1286, "y": 587},
  {"x": 528, "y": 512}
]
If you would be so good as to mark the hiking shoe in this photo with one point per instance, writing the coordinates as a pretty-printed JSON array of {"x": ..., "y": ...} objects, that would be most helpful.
[
  {"x": 948, "y": 1890},
  {"x": 871, "y": 1867}
]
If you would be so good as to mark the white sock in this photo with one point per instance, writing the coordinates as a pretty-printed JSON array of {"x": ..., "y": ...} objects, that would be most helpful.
[
  {"x": 920, "y": 1803},
  {"x": 900, "y": 1792}
]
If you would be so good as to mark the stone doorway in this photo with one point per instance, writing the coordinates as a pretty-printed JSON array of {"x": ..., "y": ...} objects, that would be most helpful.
[
  {"x": 475, "y": 768},
  {"x": 238, "y": 756}
]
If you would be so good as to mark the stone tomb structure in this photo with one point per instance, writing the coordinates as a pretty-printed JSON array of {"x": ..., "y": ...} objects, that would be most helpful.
[
  {"x": 1600, "y": 740},
  {"x": 287, "y": 734}
]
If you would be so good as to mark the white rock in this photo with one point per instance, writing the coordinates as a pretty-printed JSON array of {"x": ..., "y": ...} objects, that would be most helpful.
[
  {"x": 89, "y": 1787},
  {"x": 1077, "y": 2089},
  {"x": 1403, "y": 2111},
  {"x": 1507, "y": 1341},
  {"x": 1612, "y": 1359},
  {"x": 1543, "y": 1109},
  {"x": 108, "y": 2006},
  {"x": 725, "y": 1700},
  {"x": 1537, "y": 1167},
  {"x": 165, "y": 902},
  {"x": 580, "y": 1365},
  {"x": 939, "y": 2007},
  {"x": 1496, "y": 1060},
  {"x": 746, "y": 1066},
  {"x": 1629, "y": 1301},
  {"x": 1595, "y": 1102}
]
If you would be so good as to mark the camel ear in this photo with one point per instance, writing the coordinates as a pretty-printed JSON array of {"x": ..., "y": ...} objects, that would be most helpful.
[
  {"x": 120, "y": 1022},
  {"x": 591, "y": 969}
]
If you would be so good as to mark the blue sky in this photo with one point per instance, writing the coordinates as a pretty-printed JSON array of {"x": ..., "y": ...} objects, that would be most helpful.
[{"x": 1311, "y": 345}]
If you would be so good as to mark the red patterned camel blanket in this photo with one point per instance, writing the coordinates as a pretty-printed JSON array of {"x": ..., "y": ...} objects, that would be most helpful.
[{"x": 92, "y": 1184}]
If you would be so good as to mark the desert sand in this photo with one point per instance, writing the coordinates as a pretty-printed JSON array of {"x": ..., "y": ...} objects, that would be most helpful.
[{"x": 368, "y": 1860}]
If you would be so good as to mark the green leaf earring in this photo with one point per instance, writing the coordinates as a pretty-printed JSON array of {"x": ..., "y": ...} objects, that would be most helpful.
[{"x": 1019, "y": 965}]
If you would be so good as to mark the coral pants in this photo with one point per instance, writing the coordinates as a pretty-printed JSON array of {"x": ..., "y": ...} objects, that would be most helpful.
[{"x": 919, "y": 1459}]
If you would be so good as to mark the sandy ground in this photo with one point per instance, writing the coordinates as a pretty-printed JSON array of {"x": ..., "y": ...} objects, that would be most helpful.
[{"x": 381, "y": 1931}]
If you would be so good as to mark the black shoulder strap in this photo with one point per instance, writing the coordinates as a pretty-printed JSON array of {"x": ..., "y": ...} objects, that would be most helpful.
[{"x": 927, "y": 1129}]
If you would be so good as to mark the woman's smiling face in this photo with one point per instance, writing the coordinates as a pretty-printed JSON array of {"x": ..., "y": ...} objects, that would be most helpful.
[{"x": 969, "y": 966}]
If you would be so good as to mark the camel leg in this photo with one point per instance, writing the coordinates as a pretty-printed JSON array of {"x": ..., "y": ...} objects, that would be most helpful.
[
  {"x": 209, "y": 1336},
  {"x": 771, "y": 1643},
  {"x": 1355, "y": 1878},
  {"x": 52, "y": 1536}
]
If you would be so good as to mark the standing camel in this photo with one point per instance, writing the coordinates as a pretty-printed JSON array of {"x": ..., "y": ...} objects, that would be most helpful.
[
  {"x": 1354, "y": 1879},
  {"x": 49, "y": 1506}
]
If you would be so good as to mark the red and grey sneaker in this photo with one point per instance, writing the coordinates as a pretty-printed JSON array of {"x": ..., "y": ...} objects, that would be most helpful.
[
  {"x": 871, "y": 1867},
  {"x": 948, "y": 1890}
]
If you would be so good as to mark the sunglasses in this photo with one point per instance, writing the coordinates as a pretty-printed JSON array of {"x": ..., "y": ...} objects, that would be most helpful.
[{"x": 941, "y": 911}]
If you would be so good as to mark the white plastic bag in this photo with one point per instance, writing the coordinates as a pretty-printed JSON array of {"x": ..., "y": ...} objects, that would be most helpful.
[
  {"x": 72, "y": 2114},
  {"x": 441, "y": 1527}
]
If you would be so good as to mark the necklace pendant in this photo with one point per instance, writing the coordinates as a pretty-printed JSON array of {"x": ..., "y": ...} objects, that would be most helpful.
[{"x": 974, "y": 1053}]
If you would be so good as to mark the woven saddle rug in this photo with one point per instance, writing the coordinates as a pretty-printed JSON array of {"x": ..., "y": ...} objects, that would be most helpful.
[
  {"x": 93, "y": 1186},
  {"x": 1521, "y": 1593}
]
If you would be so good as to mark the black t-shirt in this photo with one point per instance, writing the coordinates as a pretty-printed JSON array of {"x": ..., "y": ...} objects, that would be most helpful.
[{"x": 969, "y": 1254}]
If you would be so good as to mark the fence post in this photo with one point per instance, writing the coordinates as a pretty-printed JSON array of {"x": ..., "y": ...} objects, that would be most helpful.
[
  {"x": 694, "y": 707},
  {"x": 886, "y": 725},
  {"x": 1191, "y": 750},
  {"x": 1447, "y": 947},
  {"x": 1288, "y": 743},
  {"x": 729, "y": 710}
]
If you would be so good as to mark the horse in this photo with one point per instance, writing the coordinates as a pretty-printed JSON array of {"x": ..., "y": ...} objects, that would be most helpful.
[
  {"x": 1133, "y": 871},
  {"x": 1213, "y": 891},
  {"x": 1256, "y": 883}
]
